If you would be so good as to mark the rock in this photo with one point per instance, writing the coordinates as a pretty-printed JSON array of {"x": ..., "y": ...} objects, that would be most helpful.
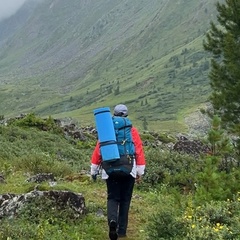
[
  {"x": 42, "y": 177},
  {"x": 11, "y": 204},
  {"x": 193, "y": 147},
  {"x": 198, "y": 123},
  {"x": 100, "y": 213}
]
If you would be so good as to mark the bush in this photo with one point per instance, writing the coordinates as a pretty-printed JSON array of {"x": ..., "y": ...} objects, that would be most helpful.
[
  {"x": 166, "y": 223},
  {"x": 26, "y": 147},
  {"x": 31, "y": 120},
  {"x": 214, "y": 220},
  {"x": 36, "y": 163},
  {"x": 211, "y": 220},
  {"x": 172, "y": 168},
  {"x": 213, "y": 184}
]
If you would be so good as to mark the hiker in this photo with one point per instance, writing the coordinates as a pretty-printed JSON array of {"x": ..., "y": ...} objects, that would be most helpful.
[{"x": 120, "y": 188}]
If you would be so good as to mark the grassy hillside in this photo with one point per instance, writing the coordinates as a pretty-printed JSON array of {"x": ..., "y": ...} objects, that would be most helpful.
[
  {"x": 180, "y": 197},
  {"x": 68, "y": 58}
]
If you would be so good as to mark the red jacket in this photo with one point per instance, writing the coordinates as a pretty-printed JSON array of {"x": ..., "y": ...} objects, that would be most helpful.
[{"x": 140, "y": 158}]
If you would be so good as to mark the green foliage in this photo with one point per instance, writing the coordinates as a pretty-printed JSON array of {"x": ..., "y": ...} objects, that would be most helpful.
[
  {"x": 153, "y": 137},
  {"x": 42, "y": 219},
  {"x": 85, "y": 145},
  {"x": 145, "y": 123},
  {"x": 154, "y": 173},
  {"x": 156, "y": 66},
  {"x": 36, "y": 151},
  {"x": 5, "y": 168},
  {"x": 211, "y": 207},
  {"x": 166, "y": 225},
  {"x": 174, "y": 169},
  {"x": 147, "y": 137},
  {"x": 220, "y": 142},
  {"x": 211, "y": 184},
  {"x": 166, "y": 221},
  {"x": 213, "y": 220},
  {"x": 31, "y": 120},
  {"x": 166, "y": 138},
  {"x": 210, "y": 220},
  {"x": 220, "y": 169},
  {"x": 41, "y": 208},
  {"x": 222, "y": 41},
  {"x": 180, "y": 197},
  {"x": 37, "y": 163}
]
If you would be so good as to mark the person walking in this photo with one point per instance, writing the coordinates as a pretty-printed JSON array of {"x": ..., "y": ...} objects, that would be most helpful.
[{"x": 120, "y": 188}]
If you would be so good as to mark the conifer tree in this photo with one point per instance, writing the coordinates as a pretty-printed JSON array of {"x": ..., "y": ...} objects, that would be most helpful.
[{"x": 223, "y": 42}]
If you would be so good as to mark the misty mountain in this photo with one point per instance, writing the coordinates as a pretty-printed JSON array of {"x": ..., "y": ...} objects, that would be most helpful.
[{"x": 65, "y": 58}]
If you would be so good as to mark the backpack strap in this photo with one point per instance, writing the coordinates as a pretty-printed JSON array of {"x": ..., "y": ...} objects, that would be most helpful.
[
  {"x": 107, "y": 143},
  {"x": 126, "y": 126}
]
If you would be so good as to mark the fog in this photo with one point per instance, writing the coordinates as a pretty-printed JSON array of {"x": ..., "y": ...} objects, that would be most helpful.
[{"x": 9, "y": 7}]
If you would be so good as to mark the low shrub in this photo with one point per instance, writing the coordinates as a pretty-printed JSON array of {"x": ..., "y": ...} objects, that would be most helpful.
[
  {"x": 42, "y": 163},
  {"x": 211, "y": 220},
  {"x": 172, "y": 168}
]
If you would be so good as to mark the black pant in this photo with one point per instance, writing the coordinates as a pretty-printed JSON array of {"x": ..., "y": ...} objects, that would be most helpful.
[{"x": 119, "y": 198}]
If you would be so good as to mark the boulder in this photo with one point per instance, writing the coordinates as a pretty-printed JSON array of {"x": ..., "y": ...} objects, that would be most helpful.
[
  {"x": 11, "y": 204},
  {"x": 41, "y": 177}
]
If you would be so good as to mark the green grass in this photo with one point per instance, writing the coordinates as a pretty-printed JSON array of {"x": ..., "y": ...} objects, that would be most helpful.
[
  {"x": 90, "y": 226},
  {"x": 177, "y": 191},
  {"x": 144, "y": 206}
]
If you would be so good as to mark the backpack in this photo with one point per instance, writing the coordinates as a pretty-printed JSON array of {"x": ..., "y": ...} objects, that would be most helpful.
[{"x": 124, "y": 165}]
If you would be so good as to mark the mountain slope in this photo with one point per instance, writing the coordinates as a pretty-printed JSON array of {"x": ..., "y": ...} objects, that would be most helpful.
[{"x": 67, "y": 58}]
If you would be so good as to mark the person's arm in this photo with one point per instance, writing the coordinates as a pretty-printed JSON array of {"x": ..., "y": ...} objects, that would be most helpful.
[
  {"x": 96, "y": 160},
  {"x": 140, "y": 158}
]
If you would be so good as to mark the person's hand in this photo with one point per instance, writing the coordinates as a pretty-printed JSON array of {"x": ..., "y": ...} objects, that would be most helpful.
[
  {"x": 94, "y": 177},
  {"x": 138, "y": 179}
]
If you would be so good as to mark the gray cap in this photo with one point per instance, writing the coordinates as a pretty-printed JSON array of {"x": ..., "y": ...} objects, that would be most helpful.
[{"x": 120, "y": 110}]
